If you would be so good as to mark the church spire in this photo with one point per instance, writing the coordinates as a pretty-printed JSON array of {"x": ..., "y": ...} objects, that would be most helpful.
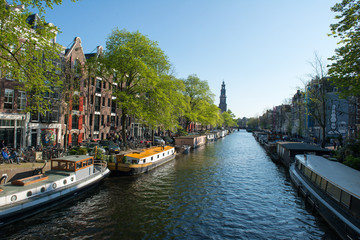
[{"x": 222, "y": 104}]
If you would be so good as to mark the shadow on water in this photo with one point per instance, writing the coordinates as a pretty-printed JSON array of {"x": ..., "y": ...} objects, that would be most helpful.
[{"x": 229, "y": 189}]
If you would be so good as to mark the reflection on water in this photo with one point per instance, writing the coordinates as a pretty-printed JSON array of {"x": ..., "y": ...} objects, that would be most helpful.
[{"x": 229, "y": 189}]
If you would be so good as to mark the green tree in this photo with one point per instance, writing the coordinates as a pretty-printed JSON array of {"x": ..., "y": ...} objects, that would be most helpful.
[
  {"x": 165, "y": 104},
  {"x": 28, "y": 52},
  {"x": 199, "y": 96},
  {"x": 345, "y": 69},
  {"x": 252, "y": 123},
  {"x": 210, "y": 115},
  {"x": 136, "y": 64},
  {"x": 229, "y": 119}
]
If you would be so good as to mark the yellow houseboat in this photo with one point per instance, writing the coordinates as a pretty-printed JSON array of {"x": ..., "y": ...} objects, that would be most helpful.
[{"x": 143, "y": 161}]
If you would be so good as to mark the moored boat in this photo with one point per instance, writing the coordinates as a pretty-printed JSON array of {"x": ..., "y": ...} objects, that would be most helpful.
[
  {"x": 332, "y": 189},
  {"x": 68, "y": 176},
  {"x": 142, "y": 161}
]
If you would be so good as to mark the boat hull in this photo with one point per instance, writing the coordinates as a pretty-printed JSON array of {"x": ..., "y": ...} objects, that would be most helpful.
[
  {"x": 343, "y": 227},
  {"x": 41, "y": 203},
  {"x": 133, "y": 169}
]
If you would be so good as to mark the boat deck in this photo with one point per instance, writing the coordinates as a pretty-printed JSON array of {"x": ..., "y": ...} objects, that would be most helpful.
[
  {"x": 337, "y": 173},
  {"x": 149, "y": 152},
  {"x": 53, "y": 176}
]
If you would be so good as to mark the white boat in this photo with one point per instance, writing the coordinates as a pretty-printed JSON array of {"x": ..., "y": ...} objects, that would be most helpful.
[
  {"x": 68, "y": 176},
  {"x": 142, "y": 161},
  {"x": 332, "y": 189}
]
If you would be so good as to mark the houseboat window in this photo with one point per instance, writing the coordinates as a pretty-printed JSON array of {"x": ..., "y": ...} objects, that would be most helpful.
[
  {"x": 144, "y": 160},
  {"x": 318, "y": 180},
  {"x": 64, "y": 182},
  {"x": 158, "y": 156},
  {"x": 84, "y": 163},
  {"x": 78, "y": 165},
  {"x": 54, "y": 185},
  {"x": 42, "y": 189},
  {"x": 62, "y": 165},
  {"x": 333, "y": 191},
  {"x": 323, "y": 184},
  {"x": 300, "y": 167},
  {"x": 307, "y": 172},
  {"x": 90, "y": 161},
  {"x": 152, "y": 158},
  {"x": 13, "y": 198},
  {"x": 168, "y": 152},
  {"x": 72, "y": 179},
  {"x": 163, "y": 154},
  {"x": 58, "y": 165},
  {"x": 345, "y": 198},
  {"x": 314, "y": 176},
  {"x": 71, "y": 166},
  {"x": 54, "y": 164},
  {"x": 28, "y": 194}
]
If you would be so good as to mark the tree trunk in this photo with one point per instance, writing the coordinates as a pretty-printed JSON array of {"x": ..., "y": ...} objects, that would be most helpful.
[
  {"x": 123, "y": 130},
  {"x": 152, "y": 136}
]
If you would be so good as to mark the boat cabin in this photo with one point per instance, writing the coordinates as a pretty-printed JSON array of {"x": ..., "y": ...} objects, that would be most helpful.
[
  {"x": 193, "y": 141},
  {"x": 334, "y": 179},
  {"x": 287, "y": 151},
  {"x": 81, "y": 165},
  {"x": 149, "y": 155},
  {"x": 211, "y": 136}
]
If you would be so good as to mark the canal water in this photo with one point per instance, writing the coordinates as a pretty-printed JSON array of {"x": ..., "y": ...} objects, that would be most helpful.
[{"x": 229, "y": 189}]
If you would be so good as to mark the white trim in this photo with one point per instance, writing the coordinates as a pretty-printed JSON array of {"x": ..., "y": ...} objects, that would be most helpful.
[{"x": 12, "y": 116}]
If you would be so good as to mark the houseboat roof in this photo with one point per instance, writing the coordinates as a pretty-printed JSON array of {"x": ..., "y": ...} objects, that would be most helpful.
[
  {"x": 337, "y": 173},
  {"x": 148, "y": 152},
  {"x": 73, "y": 158},
  {"x": 302, "y": 146}
]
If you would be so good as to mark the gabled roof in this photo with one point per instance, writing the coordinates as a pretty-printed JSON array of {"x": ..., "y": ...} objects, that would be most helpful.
[{"x": 75, "y": 46}]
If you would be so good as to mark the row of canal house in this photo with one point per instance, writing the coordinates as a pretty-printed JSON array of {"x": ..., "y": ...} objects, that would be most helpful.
[
  {"x": 342, "y": 117},
  {"x": 89, "y": 114}
]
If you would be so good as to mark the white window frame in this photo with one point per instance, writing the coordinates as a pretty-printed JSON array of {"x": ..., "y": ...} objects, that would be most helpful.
[
  {"x": 9, "y": 98},
  {"x": 21, "y": 100}
]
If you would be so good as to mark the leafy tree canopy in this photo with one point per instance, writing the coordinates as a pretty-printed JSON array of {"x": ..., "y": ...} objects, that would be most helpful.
[
  {"x": 200, "y": 99},
  {"x": 229, "y": 119},
  {"x": 28, "y": 52},
  {"x": 345, "y": 68},
  {"x": 135, "y": 64},
  {"x": 165, "y": 103}
]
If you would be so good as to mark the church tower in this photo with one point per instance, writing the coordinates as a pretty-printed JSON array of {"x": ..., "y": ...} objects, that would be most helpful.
[{"x": 222, "y": 104}]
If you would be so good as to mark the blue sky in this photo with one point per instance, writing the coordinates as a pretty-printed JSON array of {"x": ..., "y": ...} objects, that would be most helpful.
[{"x": 260, "y": 48}]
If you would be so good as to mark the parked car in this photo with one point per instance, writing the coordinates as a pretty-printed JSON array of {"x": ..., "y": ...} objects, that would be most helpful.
[
  {"x": 158, "y": 140},
  {"x": 109, "y": 146},
  {"x": 168, "y": 140}
]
